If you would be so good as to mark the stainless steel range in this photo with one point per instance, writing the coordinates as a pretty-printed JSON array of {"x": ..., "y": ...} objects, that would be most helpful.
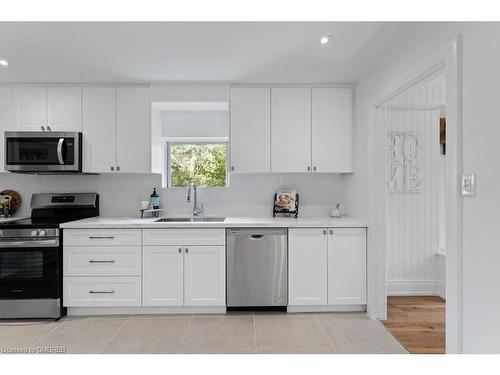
[{"x": 31, "y": 255}]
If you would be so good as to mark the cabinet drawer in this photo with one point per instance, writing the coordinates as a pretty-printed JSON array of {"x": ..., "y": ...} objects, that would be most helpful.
[
  {"x": 102, "y": 260},
  {"x": 158, "y": 237},
  {"x": 100, "y": 237},
  {"x": 101, "y": 291}
]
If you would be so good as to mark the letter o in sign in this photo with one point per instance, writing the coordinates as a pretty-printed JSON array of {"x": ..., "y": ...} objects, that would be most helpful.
[{"x": 410, "y": 147}]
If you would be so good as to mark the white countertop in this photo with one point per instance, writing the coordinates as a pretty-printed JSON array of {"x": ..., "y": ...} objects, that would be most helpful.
[
  {"x": 133, "y": 222},
  {"x": 5, "y": 220}
]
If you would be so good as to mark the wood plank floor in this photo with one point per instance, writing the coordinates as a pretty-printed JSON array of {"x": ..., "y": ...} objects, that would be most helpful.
[{"x": 418, "y": 323}]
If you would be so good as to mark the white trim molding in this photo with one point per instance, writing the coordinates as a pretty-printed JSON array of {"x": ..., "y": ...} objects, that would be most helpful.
[
  {"x": 415, "y": 288},
  {"x": 449, "y": 58}
]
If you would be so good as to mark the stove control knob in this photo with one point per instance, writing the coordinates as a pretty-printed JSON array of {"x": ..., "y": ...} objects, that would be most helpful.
[
  {"x": 43, "y": 232},
  {"x": 34, "y": 233}
]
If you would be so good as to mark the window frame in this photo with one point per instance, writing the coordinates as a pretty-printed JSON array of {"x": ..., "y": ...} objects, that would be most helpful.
[{"x": 168, "y": 141}]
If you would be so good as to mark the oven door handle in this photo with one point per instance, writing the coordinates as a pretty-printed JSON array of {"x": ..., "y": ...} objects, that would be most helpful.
[
  {"x": 59, "y": 151},
  {"x": 29, "y": 243}
]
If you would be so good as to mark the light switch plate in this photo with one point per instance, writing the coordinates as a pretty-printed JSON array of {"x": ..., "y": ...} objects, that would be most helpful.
[{"x": 469, "y": 185}]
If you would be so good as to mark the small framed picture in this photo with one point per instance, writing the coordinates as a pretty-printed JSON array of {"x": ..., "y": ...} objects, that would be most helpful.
[{"x": 286, "y": 202}]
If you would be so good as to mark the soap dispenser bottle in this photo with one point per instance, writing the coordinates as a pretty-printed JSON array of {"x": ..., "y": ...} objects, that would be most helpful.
[{"x": 155, "y": 202}]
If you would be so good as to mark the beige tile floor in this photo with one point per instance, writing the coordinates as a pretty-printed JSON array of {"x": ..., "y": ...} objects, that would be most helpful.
[{"x": 231, "y": 333}]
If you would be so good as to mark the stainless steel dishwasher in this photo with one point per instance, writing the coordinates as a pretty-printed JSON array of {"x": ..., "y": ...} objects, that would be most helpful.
[{"x": 257, "y": 267}]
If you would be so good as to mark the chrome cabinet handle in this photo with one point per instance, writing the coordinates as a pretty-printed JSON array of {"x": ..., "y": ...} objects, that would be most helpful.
[
  {"x": 112, "y": 168},
  {"x": 101, "y": 237},
  {"x": 187, "y": 250},
  {"x": 232, "y": 168},
  {"x": 324, "y": 232},
  {"x": 59, "y": 151},
  {"x": 43, "y": 128},
  {"x": 117, "y": 168},
  {"x": 101, "y": 261},
  {"x": 314, "y": 169},
  {"x": 309, "y": 168},
  {"x": 101, "y": 292},
  {"x": 331, "y": 232},
  {"x": 49, "y": 129},
  {"x": 180, "y": 250}
]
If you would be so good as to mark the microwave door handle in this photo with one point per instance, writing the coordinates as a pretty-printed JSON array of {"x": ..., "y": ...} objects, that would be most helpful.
[{"x": 59, "y": 151}]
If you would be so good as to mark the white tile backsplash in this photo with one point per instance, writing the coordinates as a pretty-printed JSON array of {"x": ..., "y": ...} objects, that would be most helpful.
[{"x": 248, "y": 195}]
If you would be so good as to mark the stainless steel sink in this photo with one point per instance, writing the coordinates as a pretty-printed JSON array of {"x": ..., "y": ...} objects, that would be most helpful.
[{"x": 190, "y": 219}]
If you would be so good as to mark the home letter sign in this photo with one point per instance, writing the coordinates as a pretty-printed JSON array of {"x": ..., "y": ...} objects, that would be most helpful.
[{"x": 403, "y": 175}]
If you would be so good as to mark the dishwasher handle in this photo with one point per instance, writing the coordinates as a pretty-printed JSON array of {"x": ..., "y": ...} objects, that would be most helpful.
[
  {"x": 256, "y": 237},
  {"x": 249, "y": 232}
]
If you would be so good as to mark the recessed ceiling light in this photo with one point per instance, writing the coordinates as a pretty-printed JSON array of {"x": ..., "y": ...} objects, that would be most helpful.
[
  {"x": 4, "y": 62},
  {"x": 325, "y": 39}
]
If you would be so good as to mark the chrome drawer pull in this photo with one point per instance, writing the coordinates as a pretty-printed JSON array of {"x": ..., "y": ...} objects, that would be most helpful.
[
  {"x": 101, "y": 292},
  {"x": 101, "y": 261},
  {"x": 101, "y": 237}
]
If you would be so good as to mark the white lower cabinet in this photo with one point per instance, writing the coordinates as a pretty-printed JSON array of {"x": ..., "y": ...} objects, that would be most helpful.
[
  {"x": 347, "y": 266},
  {"x": 184, "y": 276},
  {"x": 327, "y": 266},
  {"x": 163, "y": 275},
  {"x": 102, "y": 291},
  {"x": 204, "y": 276},
  {"x": 307, "y": 266}
]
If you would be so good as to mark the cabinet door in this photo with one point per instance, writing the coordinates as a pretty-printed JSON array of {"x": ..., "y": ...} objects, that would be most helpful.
[
  {"x": 204, "y": 276},
  {"x": 290, "y": 129},
  {"x": 64, "y": 108},
  {"x": 30, "y": 105},
  {"x": 133, "y": 152},
  {"x": 99, "y": 129},
  {"x": 5, "y": 120},
  {"x": 347, "y": 266},
  {"x": 307, "y": 266},
  {"x": 250, "y": 130},
  {"x": 162, "y": 277},
  {"x": 332, "y": 130}
]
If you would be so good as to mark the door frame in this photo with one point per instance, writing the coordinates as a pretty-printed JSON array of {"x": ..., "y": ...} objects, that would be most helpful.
[{"x": 448, "y": 58}]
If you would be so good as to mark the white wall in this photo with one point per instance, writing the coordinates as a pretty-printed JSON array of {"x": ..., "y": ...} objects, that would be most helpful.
[
  {"x": 248, "y": 195},
  {"x": 195, "y": 124},
  {"x": 481, "y": 137},
  {"x": 413, "y": 221}
]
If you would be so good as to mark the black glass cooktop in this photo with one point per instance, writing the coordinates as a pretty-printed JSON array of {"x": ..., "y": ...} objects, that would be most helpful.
[{"x": 35, "y": 223}]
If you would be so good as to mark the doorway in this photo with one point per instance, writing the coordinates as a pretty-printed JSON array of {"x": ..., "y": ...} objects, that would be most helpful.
[
  {"x": 416, "y": 207},
  {"x": 415, "y": 222}
]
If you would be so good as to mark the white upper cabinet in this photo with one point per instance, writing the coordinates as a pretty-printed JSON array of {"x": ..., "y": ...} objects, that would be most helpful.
[
  {"x": 290, "y": 129},
  {"x": 332, "y": 130},
  {"x": 347, "y": 266},
  {"x": 64, "y": 108},
  {"x": 307, "y": 266},
  {"x": 250, "y": 130},
  {"x": 310, "y": 129},
  {"x": 5, "y": 120},
  {"x": 117, "y": 129},
  {"x": 99, "y": 129},
  {"x": 48, "y": 108},
  {"x": 30, "y": 108},
  {"x": 133, "y": 146}
]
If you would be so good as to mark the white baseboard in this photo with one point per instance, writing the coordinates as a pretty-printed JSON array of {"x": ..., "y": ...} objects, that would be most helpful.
[
  {"x": 74, "y": 311},
  {"x": 416, "y": 288},
  {"x": 441, "y": 289},
  {"x": 327, "y": 308}
]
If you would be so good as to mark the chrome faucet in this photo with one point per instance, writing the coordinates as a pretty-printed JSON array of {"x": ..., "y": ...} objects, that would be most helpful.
[{"x": 196, "y": 210}]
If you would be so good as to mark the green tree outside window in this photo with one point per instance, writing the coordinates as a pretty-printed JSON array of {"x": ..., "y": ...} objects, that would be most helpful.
[{"x": 205, "y": 164}]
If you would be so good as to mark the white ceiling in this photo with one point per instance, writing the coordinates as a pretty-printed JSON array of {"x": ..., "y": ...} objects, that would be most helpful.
[{"x": 276, "y": 52}]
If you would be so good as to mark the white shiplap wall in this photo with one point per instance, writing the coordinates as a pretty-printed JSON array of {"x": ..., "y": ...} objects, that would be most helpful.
[{"x": 413, "y": 219}]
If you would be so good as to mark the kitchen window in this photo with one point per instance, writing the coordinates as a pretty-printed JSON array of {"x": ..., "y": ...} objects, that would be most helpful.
[{"x": 202, "y": 160}]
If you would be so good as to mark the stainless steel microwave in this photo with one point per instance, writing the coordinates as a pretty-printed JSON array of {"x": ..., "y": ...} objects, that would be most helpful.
[{"x": 43, "y": 152}]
